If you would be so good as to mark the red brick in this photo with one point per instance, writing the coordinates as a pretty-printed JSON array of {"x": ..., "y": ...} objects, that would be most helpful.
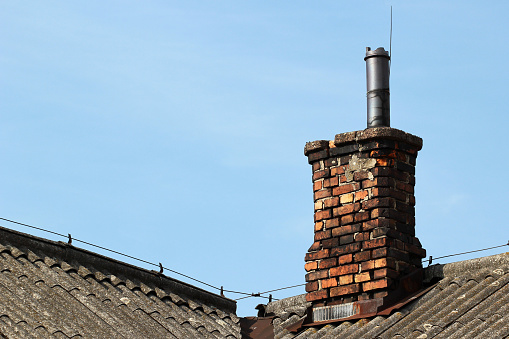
[
  {"x": 317, "y": 275},
  {"x": 376, "y": 284},
  {"x": 347, "y": 219},
  {"x": 310, "y": 266},
  {"x": 380, "y": 252},
  {"x": 364, "y": 255},
  {"x": 347, "y": 229},
  {"x": 330, "y": 243},
  {"x": 380, "y": 294},
  {"x": 315, "y": 247},
  {"x": 345, "y": 189},
  {"x": 346, "y": 198},
  {"x": 378, "y": 242},
  {"x": 334, "y": 181},
  {"x": 361, "y": 236},
  {"x": 332, "y": 223},
  {"x": 346, "y": 239},
  {"x": 327, "y": 283},
  {"x": 345, "y": 259},
  {"x": 322, "y": 235},
  {"x": 378, "y": 182},
  {"x": 405, "y": 187},
  {"x": 345, "y": 249},
  {"x": 343, "y": 290},
  {"x": 361, "y": 195},
  {"x": 385, "y": 273},
  {"x": 322, "y": 254},
  {"x": 320, "y": 215},
  {"x": 367, "y": 265},
  {"x": 347, "y": 209},
  {"x": 327, "y": 192},
  {"x": 318, "y": 295},
  {"x": 385, "y": 262},
  {"x": 362, "y": 216},
  {"x": 327, "y": 263},
  {"x": 343, "y": 270},
  {"x": 318, "y": 226},
  {"x": 331, "y": 202},
  {"x": 337, "y": 170},
  {"x": 378, "y": 202},
  {"x": 371, "y": 224},
  {"x": 420, "y": 252},
  {"x": 316, "y": 166},
  {"x": 346, "y": 279},
  {"x": 314, "y": 156},
  {"x": 321, "y": 174},
  {"x": 362, "y": 277},
  {"x": 318, "y": 205},
  {"x": 311, "y": 286},
  {"x": 385, "y": 162},
  {"x": 317, "y": 185}
]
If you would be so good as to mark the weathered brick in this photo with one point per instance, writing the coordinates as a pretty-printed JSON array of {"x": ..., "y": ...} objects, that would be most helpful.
[
  {"x": 347, "y": 219},
  {"x": 327, "y": 283},
  {"x": 420, "y": 252},
  {"x": 317, "y": 295},
  {"x": 361, "y": 216},
  {"x": 347, "y": 209},
  {"x": 322, "y": 235},
  {"x": 322, "y": 254},
  {"x": 324, "y": 193},
  {"x": 320, "y": 215},
  {"x": 318, "y": 226},
  {"x": 380, "y": 294},
  {"x": 346, "y": 279},
  {"x": 345, "y": 259},
  {"x": 401, "y": 166},
  {"x": 325, "y": 173},
  {"x": 347, "y": 188},
  {"x": 345, "y": 249},
  {"x": 385, "y": 273},
  {"x": 362, "y": 277},
  {"x": 371, "y": 224},
  {"x": 343, "y": 270},
  {"x": 331, "y": 202},
  {"x": 377, "y": 202},
  {"x": 316, "y": 166},
  {"x": 315, "y": 247},
  {"x": 328, "y": 263},
  {"x": 334, "y": 181},
  {"x": 330, "y": 243},
  {"x": 316, "y": 275},
  {"x": 343, "y": 290},
  {"x": 318, "y": 205},
  {"x": 338, "y": 170},
  {"x": 405, "y": 187},
  {"x": 376, "y": 284},
  {"x": 378, "y": 242},
  {"x": 330, "y": 162},
  {"x": 317, "y": 185},
  {"x": 346, "y": 239},
  {"x": 346, "y": 198},
  {"x": 362, "y": 256},
  {"x": 360, "y": 175},
  {"x": 310, "y": 266},
  {"x": 347, "y": 229},
  {"x": 361, "y": 195},
  {"x": 311, "y": 286},
  {"x": 331, "y": 223},
  {"x": 312, "y": 157},
  {"x": 367, "y": 265},
  {"x": 378, "y": 182},
  {"x": 361, "y": 236},
  {"x": 385, "y": 262}
]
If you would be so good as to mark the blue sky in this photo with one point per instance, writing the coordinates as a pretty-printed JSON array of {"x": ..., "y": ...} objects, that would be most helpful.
[{"x": 174, "y": 131}]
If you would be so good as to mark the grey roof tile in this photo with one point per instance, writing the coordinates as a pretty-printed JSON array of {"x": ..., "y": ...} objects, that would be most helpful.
[
  {"x": 52, "y": 290},
  {"x": 471, "y": 300}
]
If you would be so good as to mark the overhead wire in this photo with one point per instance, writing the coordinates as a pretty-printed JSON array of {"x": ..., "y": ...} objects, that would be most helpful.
[{"x": 247, "y": 295}]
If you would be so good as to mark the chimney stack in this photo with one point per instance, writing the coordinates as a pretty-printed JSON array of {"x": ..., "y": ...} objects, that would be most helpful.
[
  {"x": 365, "y": 255},
  {"x": 377, "y": 83}
]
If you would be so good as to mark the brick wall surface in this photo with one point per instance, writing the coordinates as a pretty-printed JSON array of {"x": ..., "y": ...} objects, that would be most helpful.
[{"x": 364, "y": 241}]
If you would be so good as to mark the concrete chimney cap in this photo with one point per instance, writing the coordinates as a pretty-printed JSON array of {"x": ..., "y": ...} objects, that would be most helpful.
[{"x": 379, "y": 52}]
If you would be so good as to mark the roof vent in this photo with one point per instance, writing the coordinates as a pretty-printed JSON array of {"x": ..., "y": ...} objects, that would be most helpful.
[{"x": 377, "y": 78}]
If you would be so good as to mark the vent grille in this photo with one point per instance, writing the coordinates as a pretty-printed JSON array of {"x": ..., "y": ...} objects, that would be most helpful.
[{"x": 325, "y": 313}]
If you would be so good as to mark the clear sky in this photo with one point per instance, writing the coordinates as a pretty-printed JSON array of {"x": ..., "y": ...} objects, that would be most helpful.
[{"x": 174, "y": 130}]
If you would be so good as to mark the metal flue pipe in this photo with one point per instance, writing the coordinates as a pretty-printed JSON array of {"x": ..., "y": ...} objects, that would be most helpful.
[{"x": 378, "y": 94}]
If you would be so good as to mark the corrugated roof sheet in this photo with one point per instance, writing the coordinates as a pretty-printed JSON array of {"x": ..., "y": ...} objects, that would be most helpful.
[
  {"x": 470, "y": 301},
  {"x": 50, "y": 289}
]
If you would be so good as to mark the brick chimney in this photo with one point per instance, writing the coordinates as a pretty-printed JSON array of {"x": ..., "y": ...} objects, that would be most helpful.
[{"x": 364, "y": 250}]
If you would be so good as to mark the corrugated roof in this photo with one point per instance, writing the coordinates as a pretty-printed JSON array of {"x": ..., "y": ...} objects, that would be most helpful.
[
  {"x": 51, "y": 289},
  {"x": 470, "y": 301}
]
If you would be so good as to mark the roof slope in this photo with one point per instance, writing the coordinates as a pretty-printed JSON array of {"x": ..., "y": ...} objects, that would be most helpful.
[
  {"x": 470, "y": 301},
  {"x": 52, "y": 289}
]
